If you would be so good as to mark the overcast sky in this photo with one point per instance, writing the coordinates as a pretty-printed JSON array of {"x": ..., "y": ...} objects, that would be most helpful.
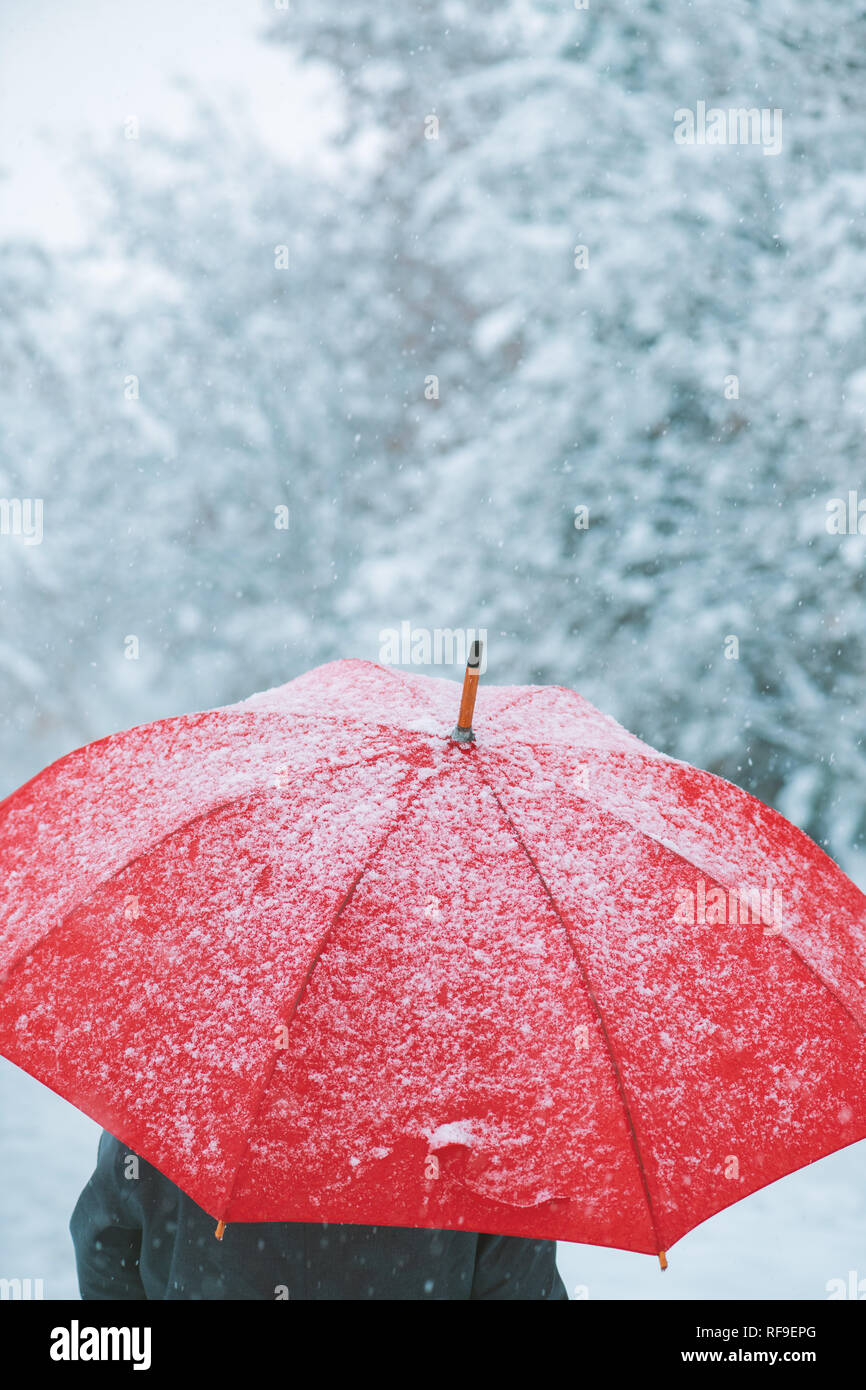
[{"x": 76, "y": 71}]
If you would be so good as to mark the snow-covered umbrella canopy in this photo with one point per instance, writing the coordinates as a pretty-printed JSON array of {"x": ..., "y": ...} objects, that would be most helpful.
[{"x": 318, "y": 956}]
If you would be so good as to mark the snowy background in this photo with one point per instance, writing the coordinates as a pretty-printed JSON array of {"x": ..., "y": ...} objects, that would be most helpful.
[{"x": 166, "y": 384}]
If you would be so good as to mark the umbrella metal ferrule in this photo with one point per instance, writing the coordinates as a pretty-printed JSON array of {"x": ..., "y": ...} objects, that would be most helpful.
[
  {"x": 462, "y": 731},
  {"x": 459, "y": 735}
]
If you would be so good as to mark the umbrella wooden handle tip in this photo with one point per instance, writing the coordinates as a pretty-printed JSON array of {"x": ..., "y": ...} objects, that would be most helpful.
[
  {"x": 663, "y": 1260},
  {"x": 462, "y": 732},
  {"x": 220, "y": 1230}
]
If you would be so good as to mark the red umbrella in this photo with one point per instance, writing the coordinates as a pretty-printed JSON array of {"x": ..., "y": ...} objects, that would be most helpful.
[{"x": 317, "y": 957}]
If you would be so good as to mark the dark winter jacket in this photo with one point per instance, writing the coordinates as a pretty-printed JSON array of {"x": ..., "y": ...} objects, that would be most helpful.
[{"x": 142, "y": 1238}]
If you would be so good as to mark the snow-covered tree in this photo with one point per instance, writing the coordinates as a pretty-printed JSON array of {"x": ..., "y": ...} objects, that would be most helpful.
[{"x": 515, "y": 359}]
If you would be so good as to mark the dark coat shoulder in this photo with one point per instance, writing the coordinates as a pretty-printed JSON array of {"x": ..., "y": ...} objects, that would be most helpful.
[{"x": 138, "y": 1236}]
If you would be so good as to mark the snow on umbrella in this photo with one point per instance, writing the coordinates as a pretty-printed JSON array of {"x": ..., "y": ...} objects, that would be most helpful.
[{"x": 318, "y": 956}]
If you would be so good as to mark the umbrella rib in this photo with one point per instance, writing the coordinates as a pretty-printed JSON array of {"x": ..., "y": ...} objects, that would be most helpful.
[
  {"x": 215, "y": 809},
  {"x": 182, "y": 720},
  {"x": 719, "y": 883},
  {"x": 620, "y": 1083},
  {"x": 290, "y": 1015},
  {"x": 729, "y": 888}
]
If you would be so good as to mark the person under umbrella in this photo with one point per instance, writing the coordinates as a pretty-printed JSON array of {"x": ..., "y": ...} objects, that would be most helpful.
[
  {"x": 138, "y": 1236},
  {"x": 320, "y": 957}
]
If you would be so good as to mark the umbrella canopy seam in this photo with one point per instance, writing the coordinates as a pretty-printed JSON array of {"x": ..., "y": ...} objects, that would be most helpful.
[
  {"x": 185, "y": 824},
  {"x": 594, "y": 1001},
  {"x": 288, "y": 1017},
  {"x": 726, "y": 888}
]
